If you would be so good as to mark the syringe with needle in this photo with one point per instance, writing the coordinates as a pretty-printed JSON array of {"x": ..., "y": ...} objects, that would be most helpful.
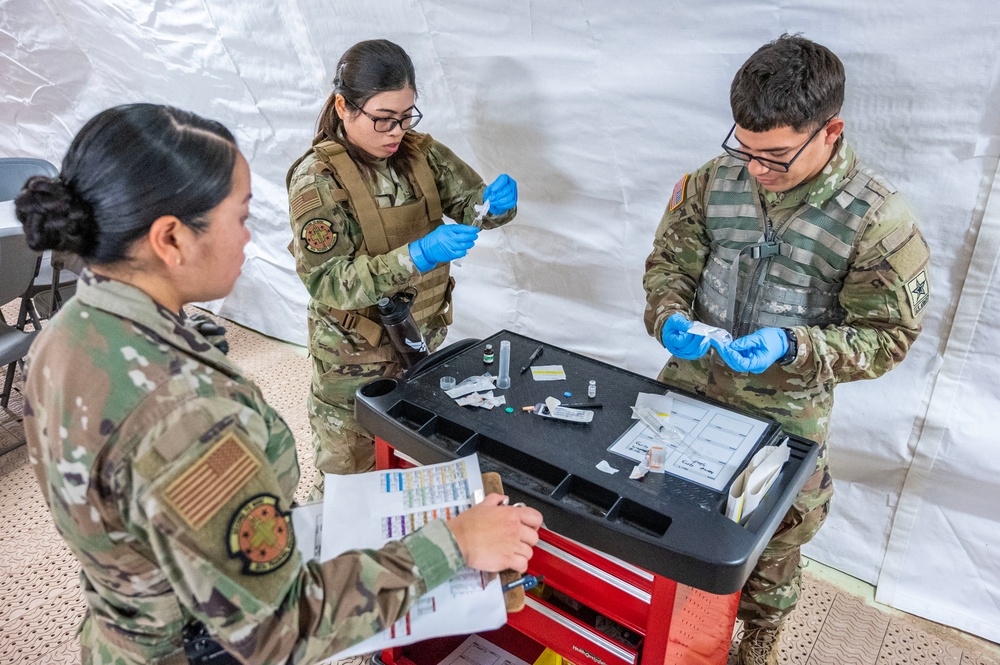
[{"x": 481, "y": 212}]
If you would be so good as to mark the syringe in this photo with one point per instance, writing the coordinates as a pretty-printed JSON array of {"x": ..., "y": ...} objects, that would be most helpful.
[
  {"x": 650, "y": 419},
  {"x": 481, "y": 212}
]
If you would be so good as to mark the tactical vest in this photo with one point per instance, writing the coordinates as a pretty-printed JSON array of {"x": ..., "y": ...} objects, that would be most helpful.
[
  {"x": 759, "y": 274},
  {"x": 385, "y": 229}
]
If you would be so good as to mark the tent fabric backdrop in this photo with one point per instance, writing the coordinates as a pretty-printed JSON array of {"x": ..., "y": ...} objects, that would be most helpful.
[{"x": 596, "y": 109}]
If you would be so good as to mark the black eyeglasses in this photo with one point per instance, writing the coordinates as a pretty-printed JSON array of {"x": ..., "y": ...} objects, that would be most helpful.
[
  {"x": 384, "y": 125},
  {"x": 771, "y": 164}
]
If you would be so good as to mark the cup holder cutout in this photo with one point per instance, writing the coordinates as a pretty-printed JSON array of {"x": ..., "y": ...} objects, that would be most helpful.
[
  {"x": 516, "y": 468},
  {"x": 446, "y": 433},
  {"x": 379, "y": 387},
  {"x": 410, "y": 414},
  {"x": 641, "y": 518},
  {"x": 584, "y": 494}
]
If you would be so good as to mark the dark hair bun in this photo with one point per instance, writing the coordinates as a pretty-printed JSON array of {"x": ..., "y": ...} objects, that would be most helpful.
[{"x": 54, "y": 217}]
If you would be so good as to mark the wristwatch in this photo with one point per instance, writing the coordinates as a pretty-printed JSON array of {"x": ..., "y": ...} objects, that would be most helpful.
[{"x": 793, "y": 348}]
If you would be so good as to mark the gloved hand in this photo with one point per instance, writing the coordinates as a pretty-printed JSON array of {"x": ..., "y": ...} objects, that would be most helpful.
[
  {"x": 445, "y": 243},
  {"x": 755, "y": 352},
  {"x": 502, "y": 194},
  {"x": 210, "y": 330},
  {"x": 679, "y": 341}
]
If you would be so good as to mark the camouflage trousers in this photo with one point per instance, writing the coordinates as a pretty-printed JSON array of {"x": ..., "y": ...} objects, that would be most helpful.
[
  {"x": 340, "y": 444},
  {"x": 101, "y": 647},
  {"x": 775, "y": 584}
]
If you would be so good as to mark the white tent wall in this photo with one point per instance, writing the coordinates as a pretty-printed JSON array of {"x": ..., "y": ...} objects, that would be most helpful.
[{"x": 597, "y": 109}]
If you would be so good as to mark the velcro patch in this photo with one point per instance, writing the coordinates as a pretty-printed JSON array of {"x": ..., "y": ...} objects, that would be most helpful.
[
  {"x": 680, "y": 191},
  {"x": 261, "y": 535},
  {"x": 199, "y": 493},
  {"x": 917, "y": 292},
  {"x": 304, "y": 202},
  {"x": 319, "y": 236}
]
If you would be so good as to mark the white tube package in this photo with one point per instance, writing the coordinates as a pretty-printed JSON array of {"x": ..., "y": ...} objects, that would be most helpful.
[{"x": 718, "y": 334}]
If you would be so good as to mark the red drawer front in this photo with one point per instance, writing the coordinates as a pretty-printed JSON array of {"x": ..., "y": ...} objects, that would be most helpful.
[
  {"x": 622, "y": 570},
  {"x": 599, "y": 590},
  {"x": 387, "y": 457},
  {"x": 570, "y": 639}
]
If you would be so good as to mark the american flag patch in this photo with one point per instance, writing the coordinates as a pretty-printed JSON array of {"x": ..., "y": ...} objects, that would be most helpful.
[
  {"x": 680, "y": 188},
  {"x": 202, "y": 490},
  {"x": 304, "y": 202}
]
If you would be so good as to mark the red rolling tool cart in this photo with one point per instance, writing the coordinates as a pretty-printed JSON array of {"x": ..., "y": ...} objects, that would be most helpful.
[{"x": 636, "y": 572}]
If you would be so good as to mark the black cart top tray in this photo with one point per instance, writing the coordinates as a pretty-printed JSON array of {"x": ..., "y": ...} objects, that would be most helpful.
[{"x": 663, "y": 523}]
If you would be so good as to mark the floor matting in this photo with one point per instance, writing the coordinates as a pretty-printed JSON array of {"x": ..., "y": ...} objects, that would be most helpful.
[{"x": 41, "y": 604}]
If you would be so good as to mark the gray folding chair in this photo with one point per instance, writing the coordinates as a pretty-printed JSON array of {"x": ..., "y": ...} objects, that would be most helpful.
[
  {"x": 55, "y": 274},
  {"x": 17, "y": 265},
  {"x": 14, "y": 171}
]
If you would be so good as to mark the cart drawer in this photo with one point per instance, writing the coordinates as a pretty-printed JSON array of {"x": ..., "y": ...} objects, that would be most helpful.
[{"x": 569, "y": 638}]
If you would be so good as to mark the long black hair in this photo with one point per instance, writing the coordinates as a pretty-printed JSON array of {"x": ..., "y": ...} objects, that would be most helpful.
[
  {"x": 128, "y": 166},
  {"x": 365, "y": 70}
]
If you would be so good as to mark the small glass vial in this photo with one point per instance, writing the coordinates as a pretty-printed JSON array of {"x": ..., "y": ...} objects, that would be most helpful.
[
  {"x": 592, "y": 389},
  {"x": 488, "y": 355}
]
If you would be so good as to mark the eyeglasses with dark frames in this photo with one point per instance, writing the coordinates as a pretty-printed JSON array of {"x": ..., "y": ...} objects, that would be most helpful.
[
  {"x": 770, "y": 164},
  {"x": 383, "y": 125}
]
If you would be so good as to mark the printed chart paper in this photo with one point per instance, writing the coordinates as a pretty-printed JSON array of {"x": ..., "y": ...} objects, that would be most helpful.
[
  {"x": 476, "y": 650},
  {"x": 364, "y": 511},
  {"x": 716, "y": 441}
]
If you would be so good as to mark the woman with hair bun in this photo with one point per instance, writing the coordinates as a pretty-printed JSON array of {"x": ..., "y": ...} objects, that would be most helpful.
[
  {"x": 366, "y": 204},
  {"x": 166, "y": 472}
]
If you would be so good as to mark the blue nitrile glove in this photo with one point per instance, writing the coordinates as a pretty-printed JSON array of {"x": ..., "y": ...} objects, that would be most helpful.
[
  {"x": 755, "y": 352},
  {"x": 679, "y": 341},
  {"x": 502, "y": 194},
  {"x": 445, "y": 243}
]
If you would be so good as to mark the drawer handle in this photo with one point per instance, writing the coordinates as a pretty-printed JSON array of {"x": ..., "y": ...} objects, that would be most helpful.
[
  {"x": 594, "y": 638},
  {"x": 590, "y": 569}
]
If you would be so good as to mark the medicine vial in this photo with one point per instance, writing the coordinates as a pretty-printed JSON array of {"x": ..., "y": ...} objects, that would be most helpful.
[
  {"x": 592, "y": 389},
  {"x": 488, "y": 355}
]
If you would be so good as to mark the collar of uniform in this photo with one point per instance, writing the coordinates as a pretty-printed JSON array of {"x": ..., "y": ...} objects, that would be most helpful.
[
  {"x": 128, "y": 302},
  {"x": 828, "y": 182},
  {"x": 820, "y": 189}
]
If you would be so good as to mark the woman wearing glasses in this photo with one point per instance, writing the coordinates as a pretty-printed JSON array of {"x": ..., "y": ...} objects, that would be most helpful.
[{"x": 366, "y": 204}]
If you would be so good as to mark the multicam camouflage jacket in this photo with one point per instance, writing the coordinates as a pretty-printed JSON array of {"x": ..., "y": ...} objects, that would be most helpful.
[
  {"x": 171, "y": 481},
  {"x": 879, "y": 294},
  {"x": 329, "y": 245}
]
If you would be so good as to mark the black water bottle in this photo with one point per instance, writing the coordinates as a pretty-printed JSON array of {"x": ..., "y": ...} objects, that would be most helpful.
[{"x": 403, "y": 331}]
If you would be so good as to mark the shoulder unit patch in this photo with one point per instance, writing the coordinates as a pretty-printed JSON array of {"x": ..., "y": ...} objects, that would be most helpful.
[
  {"x": 917, "y": 292},
  {"x": 319, "y": 236},
  {"x": 261, "y": 535}
]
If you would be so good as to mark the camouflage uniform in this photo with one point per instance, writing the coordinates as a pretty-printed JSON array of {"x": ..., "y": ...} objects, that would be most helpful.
[
  {"x": 876, "y": 302},
  {"x": 346, "y": 273},
  {"x": 170, "y": 479}
]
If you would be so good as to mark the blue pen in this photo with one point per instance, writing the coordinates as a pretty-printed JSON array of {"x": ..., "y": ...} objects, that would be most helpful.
[{"x": 528, "y": 582}]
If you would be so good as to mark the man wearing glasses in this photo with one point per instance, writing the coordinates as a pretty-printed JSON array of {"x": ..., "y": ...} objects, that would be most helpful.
[{"x": 810, "y": 259}]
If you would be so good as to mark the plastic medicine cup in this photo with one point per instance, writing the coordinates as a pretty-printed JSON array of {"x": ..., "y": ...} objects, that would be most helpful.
[{"x": 447, "y": 383}]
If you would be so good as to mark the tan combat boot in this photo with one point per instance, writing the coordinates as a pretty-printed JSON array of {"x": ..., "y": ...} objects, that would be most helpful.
[{"x": 758, "y": 646}]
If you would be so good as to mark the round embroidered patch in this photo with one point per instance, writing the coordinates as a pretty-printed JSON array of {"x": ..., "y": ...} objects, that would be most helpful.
[
  {"x": 260, "y": 534},
  {"x": 319, "y": 236}
]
